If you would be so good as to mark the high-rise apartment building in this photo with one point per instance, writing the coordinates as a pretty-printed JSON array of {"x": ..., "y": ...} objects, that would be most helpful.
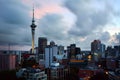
[{"x": 42, "y": 43}]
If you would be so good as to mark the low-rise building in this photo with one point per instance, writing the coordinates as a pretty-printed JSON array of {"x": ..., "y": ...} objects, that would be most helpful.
[
  {"x": 57, "y": 72},
  {"x": 31, "y": 74}
]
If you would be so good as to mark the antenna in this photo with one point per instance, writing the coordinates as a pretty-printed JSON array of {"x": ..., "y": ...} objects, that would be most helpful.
[{"x": 33, "y": 14}]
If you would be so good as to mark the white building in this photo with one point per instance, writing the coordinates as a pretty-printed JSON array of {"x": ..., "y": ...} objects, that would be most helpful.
[{"x": 50, "y": 53}]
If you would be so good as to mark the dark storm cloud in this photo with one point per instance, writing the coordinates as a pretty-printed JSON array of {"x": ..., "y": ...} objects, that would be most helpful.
[
  {"x": 52, "y": 26},
  {"x": 12, "y": 12},
  {"x": 89, "y": 17},
  {"x": 14, "y": 21},
  {"x": 105, "y": 36},
  {"x": 16, "y": 36}
]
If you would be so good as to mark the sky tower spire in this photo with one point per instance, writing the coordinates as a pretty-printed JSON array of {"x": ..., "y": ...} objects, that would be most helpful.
[
  {"x": 33, "y": 26},
  {"x": 33, "y": 15}
]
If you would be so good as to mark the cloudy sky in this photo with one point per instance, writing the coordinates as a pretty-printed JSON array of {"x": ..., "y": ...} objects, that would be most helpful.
[{"x": 62, "y": 21}]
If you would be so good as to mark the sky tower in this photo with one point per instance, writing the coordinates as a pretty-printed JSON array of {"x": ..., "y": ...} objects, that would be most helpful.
[{"x": 33, "y": 26}]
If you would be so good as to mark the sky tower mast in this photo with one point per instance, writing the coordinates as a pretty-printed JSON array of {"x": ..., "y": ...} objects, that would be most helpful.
[{"x": 33, "y": 26}]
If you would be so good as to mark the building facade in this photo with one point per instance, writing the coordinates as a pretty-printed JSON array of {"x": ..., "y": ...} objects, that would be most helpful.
[
  {"x": 97, "y": 46},
  {"x": 7, "y": 62},
  {"x": 98, "y": 49},
  {"x": 58, "y": 73},
  {"x": 42, "y": 43},
  {"x": 31, "y": 74},
  {"x": 72, "y": 51},
  {"x": 50, "y": 53}
]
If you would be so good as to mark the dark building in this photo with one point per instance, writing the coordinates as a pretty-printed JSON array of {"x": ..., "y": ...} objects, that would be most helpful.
[
  {"x": 42, "y": 43},
  {"x": 68, "y": 51},
  {"x": 98, "y": 48},
  {"x": 114, "y": 52},
  {"x": 78, "y": 50},
  {"x": 95, "y": 46},
  {"x": 58, "y": 73},
  {"x": 73, "y": 51},
  {"x": 117, "y": 48},
  {"x": 109, "y": 50},
  {"x": 52, "y": 43}
]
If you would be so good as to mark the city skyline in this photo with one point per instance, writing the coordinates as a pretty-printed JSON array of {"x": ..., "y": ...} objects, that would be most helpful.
[{"x": 62, "y": 21}]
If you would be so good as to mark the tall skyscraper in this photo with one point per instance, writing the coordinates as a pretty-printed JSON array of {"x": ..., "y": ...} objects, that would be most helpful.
[
  {"x": 98, "y": 49},
  {"x": 33, "y": 26},
  {"x": 95, "y": 46},
  {"x": 42, "y": 43}
]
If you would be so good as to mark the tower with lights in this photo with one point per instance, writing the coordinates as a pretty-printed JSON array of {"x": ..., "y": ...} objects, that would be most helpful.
[{"x": 33, "y": 26}]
